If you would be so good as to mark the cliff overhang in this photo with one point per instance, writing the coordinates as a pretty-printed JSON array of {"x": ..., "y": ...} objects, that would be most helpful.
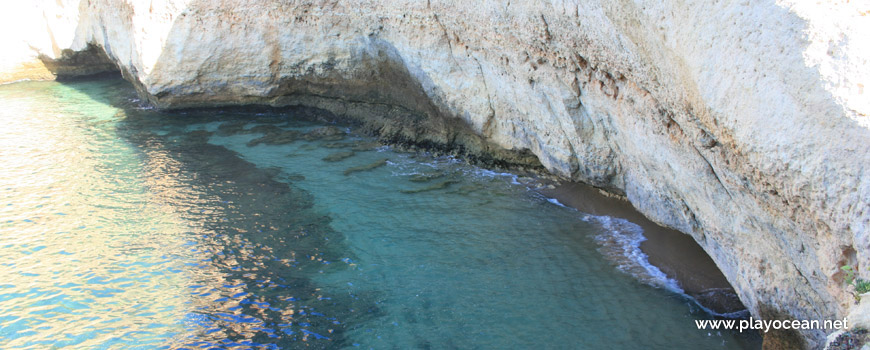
[{"x": 741, "y": 124}]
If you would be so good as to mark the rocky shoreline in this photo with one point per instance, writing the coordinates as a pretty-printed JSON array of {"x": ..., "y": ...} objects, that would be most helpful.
[{"x": 753, "y": 142}]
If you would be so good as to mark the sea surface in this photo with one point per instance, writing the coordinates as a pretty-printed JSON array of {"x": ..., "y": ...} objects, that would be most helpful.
[{"x": 122, "y": 227}]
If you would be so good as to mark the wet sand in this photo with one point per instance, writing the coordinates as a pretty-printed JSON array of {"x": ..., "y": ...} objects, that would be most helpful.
[{"x": 673, "y": 252}]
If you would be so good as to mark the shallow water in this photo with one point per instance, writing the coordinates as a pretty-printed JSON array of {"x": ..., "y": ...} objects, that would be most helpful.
[{"x": 122, "y": 227}]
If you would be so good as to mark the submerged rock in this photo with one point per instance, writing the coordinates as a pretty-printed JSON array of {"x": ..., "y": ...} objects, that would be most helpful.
[
  {"x": 339, "y": 156},
  {"x": 339, "y": 145},
  {"x": 200, "y": 135},
  {"x": 326, "y": 133},
  {"x": 720, "y": 300},
  {"x": 366, "y": 167},
  {"x": 425, "y": 177},
  {"x": 295, "y": 177},
  {"x": 231, "y": 128},
  {"x": 365, "y": 146},
  {"x": 467, "y": 189},
  {"x": 266, "y": 129},
  {"x": 437, "y": 186},
  {"x": 279, "y": 137}
]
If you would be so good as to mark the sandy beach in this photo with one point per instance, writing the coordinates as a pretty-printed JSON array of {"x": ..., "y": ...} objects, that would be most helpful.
[{"x": 674, "y": 253}]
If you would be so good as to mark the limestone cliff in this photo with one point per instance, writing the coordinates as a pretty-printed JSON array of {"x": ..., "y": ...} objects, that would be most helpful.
[{"x": 743, "y": 124}]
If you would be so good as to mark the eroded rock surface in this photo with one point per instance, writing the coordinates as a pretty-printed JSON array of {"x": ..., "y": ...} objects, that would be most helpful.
[{"x": 743, "y": 124}]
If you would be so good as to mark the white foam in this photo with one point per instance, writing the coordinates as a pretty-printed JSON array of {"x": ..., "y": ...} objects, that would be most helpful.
[
  {"x": 556, "y": 202},
  {"x": 620, "y": 240},
  {"x": 16, "y": 81},
  {"x": 495, "y": 174},
  {"x": 139, "y": 104}
]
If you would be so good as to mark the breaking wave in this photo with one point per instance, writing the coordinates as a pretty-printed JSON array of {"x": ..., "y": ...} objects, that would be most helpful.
[{"x": 620, "y": 242}]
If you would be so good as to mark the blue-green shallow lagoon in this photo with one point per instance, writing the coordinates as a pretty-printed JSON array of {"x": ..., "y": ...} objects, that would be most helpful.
[{"x": 125, "y": 228}]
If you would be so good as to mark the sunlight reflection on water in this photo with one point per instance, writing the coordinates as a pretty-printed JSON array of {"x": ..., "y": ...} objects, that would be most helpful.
[{"x": 121, "y": 227}]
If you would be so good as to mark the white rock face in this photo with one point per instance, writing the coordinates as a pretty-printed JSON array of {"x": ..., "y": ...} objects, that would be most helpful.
[{"x": 744, "y": 124}]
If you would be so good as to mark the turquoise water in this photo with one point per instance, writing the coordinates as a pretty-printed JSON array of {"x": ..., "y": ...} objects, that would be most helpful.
[{"x": 122, "y": 227}]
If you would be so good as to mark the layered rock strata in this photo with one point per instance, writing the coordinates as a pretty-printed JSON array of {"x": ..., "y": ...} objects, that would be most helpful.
[{"x": 743, "y": 124}]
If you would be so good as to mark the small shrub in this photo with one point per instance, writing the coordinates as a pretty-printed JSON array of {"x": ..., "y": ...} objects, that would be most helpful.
[{"x": 861, "y": 285}]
